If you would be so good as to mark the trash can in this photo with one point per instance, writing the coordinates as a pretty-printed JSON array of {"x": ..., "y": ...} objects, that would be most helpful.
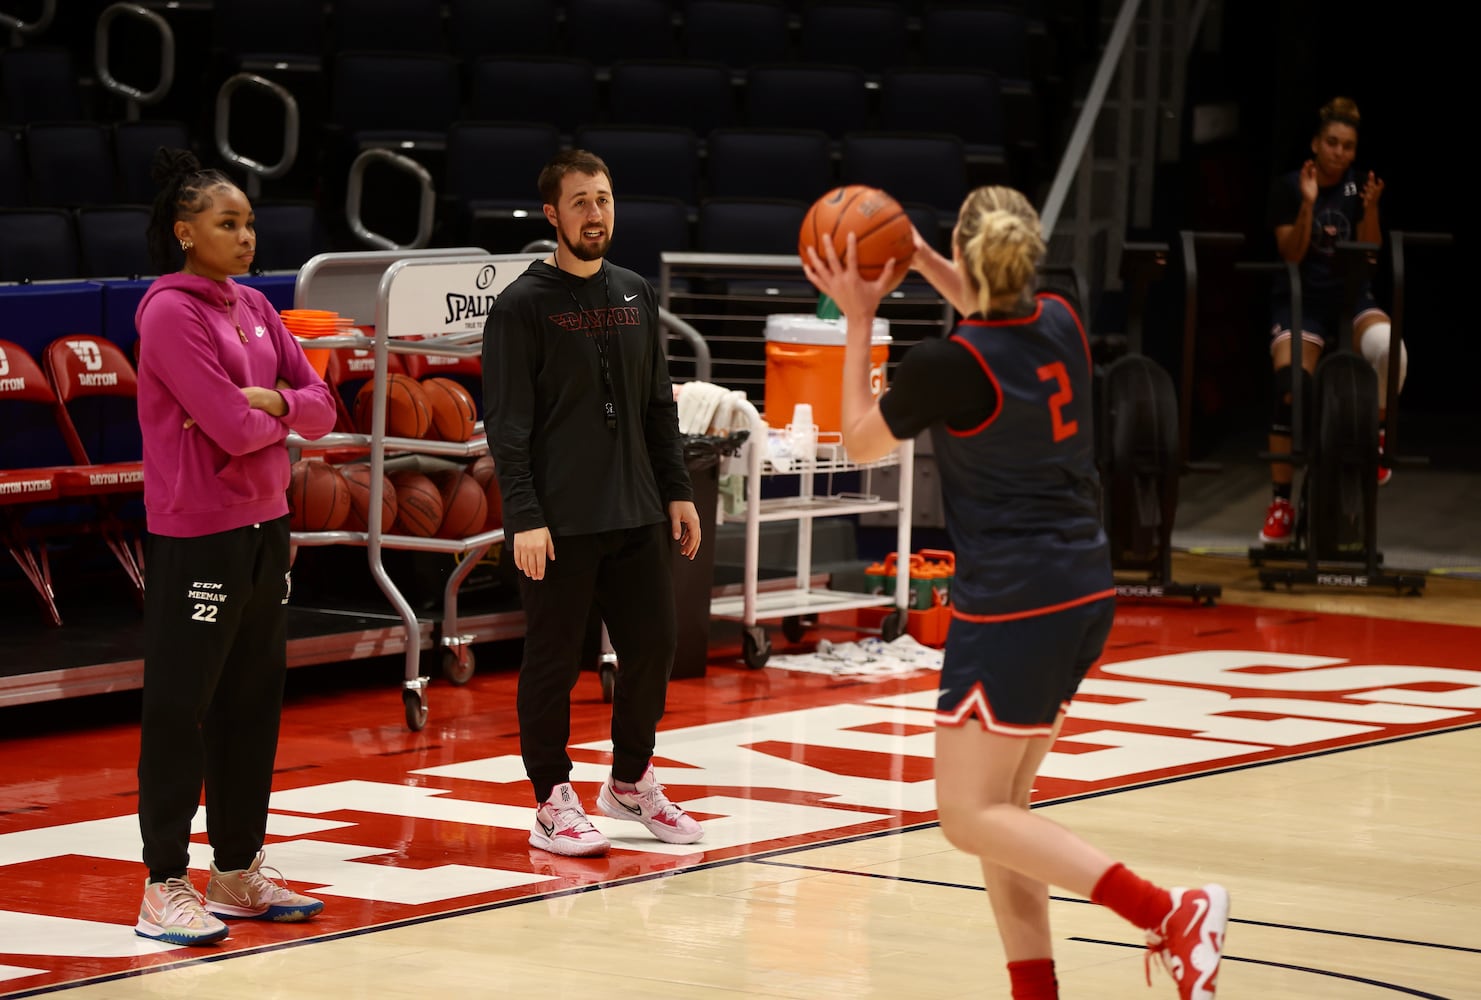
[{"x": 694, "y": 580}]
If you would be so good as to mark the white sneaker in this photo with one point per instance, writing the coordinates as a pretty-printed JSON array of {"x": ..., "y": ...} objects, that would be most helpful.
[
  {"x": 562, "y": 826},
  {"x": 172, "y": 911},
  {"x": 649, "y": 806}
]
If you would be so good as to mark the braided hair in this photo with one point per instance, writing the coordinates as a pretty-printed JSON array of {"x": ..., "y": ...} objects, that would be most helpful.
[{"x": 184, "y": 192}]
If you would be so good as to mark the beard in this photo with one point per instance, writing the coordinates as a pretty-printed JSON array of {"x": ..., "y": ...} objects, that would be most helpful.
[{"x": 581, "y": 249}]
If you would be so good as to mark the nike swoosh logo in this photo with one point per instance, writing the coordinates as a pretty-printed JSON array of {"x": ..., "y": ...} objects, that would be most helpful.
[
  {"x": 629, "y": 298},
  {"x": 1201, "y": 905},
  {"x": 240, "y": 898},
  {"x": 548, "y": 829},
  {"x": 635, "y": 810}
]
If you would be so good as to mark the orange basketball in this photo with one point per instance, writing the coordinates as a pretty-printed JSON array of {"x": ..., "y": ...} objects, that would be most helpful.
[
  {"x": 453, "y": 412},
  {"x": 464, "y": 507},
  {"x": 318, "y": 497},
  {"x": 482, "y": 469},
  {"x": 418, "y": 504},
  {"x": 878, "y": 223},
  {"x": 408, "y": 411},
  {"x": 356, "y": 476}
]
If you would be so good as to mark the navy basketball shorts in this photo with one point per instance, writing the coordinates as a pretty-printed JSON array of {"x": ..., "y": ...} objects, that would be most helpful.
[
  {"x": 1320, "y": 317},
  {"x": 1016, "y": 676}
]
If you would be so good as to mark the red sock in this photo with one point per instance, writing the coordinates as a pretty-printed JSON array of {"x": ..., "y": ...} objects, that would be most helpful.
[
  {"x": 1132, "y": 897},
  {"x": 1033, "y": 979}
]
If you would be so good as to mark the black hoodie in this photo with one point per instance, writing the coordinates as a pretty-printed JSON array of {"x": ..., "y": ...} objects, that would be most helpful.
[{"x": 562, "y": 462}]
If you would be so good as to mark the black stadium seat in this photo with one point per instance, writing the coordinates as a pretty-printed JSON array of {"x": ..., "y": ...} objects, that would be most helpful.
[{"x": 38, "y": 244}]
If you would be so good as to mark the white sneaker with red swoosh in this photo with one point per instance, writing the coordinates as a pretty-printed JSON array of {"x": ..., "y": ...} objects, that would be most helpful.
[
  {"x": 562, "y": 826},
  {"x": 1190, "y": 940},
  {"x": 649, "y": 806}
]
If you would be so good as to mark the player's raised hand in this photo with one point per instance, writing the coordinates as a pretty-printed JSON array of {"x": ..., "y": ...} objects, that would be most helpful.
[
  {"x": 1372, "y": 190},
  {"x": 1308, "y": 181}
]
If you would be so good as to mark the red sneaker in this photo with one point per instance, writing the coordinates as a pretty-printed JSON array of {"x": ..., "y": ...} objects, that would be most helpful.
[
  {"x": 1190, "y": 941},
  {"x": 1385, "y": 473},
  {"x": 1280, "y": 517}
]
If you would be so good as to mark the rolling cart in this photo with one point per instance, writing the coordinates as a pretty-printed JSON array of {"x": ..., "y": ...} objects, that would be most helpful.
[
  {"x": 441, "y": 297},
  {"x": 801, "y": 604}
]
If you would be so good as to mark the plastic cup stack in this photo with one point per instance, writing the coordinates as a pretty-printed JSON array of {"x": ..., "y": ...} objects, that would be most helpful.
[{"x": 804, "y": 433}]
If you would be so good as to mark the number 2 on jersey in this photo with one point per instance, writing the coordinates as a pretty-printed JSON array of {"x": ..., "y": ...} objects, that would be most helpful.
[{"x": 1055, "y": 372}]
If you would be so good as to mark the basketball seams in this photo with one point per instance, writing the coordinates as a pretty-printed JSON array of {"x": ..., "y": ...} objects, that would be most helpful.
[
  {"x": 454, "y": 414},
  {"x": 418, "y": 503},
  {"x": 357, "y": 477},
  {"x": 876, "y": 244},
  {"x": 318, "y": 497}
]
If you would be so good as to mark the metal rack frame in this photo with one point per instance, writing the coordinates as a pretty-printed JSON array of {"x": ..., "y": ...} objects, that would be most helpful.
[
  {"x": 409, "y": 292},
  {"x": 804, "y": 599},
  {"x": 403, "y": 283}
]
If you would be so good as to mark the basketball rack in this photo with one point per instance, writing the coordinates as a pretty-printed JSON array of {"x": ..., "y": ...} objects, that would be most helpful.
[{"x": 440, "y": 297}]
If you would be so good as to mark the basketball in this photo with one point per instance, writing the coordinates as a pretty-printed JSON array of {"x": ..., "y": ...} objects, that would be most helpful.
[
  {"x": 318, "y": 497},
  {"x": 877, "y": 221},
  {"x": 408, "y": 411},
  {"x": 418, "y": 504},
  {"x": 453, "y": 412},
  {"x": 482, "y": 469},
  {"x": 465, "y": 510},
  {"x": 356, "y": 476}
]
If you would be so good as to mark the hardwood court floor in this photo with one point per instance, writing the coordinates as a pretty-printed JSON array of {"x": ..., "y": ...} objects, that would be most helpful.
[{"x": 1318, "y": 752}]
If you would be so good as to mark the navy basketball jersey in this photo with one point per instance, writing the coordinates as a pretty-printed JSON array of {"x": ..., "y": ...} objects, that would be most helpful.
[
  {"x": 1021, "y": 491},
  {"x": 1335, "y": 216}
]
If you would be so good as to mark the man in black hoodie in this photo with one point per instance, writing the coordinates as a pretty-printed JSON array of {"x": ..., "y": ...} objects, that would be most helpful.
[{"x": 584, "y": 432}]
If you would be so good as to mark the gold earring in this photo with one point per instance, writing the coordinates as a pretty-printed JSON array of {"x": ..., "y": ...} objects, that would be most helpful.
[{"x": 187, "y": 245}]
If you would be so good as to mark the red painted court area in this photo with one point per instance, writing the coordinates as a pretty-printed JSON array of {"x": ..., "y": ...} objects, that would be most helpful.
[{"x": 388, "y": 825}]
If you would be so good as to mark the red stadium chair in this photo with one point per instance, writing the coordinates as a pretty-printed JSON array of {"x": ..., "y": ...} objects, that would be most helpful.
[{"x": 86, "y": 371}]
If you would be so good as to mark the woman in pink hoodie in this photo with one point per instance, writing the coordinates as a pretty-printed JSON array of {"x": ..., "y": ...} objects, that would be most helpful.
[{"x": 221, "y": 384}]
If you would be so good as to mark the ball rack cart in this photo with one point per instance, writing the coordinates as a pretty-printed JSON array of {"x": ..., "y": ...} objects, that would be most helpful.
[{"x": 441, "y": 297}]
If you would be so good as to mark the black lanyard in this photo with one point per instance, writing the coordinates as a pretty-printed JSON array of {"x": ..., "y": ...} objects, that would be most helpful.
[{"x": 603, "y": 341}]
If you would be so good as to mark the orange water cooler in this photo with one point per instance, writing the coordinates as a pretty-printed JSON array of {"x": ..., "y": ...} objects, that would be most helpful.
[{"x": 804, "y": 364}]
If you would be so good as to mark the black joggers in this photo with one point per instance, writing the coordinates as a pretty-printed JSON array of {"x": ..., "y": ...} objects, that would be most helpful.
[
  {"x": 628, "y": 576},
  {"x": 215, "y": 659}
]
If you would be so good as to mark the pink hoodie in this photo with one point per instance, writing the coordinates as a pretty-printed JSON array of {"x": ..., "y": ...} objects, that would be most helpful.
[{"x": 230, "y": 468}]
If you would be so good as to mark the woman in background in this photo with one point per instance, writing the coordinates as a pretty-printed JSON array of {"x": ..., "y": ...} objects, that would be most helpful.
[{"x": 1312, "y": 209}]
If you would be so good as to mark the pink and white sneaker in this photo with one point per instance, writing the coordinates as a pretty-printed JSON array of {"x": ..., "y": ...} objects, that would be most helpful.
[
  {"x": 562, "y": 826},
  {"x": 649, "y": 806},
  {"x": 1190, "y": 941}
]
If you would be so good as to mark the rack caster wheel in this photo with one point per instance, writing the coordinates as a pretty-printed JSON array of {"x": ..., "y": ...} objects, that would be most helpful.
[
  {"x": 607, "y": 673},
  {"x": 755, "y": 646},
  {"x": 416, "y": 709},
  {"x": 893, "y": 625},
  {"x": 795, "y": 628},
  {"x": 457, "y": 664}
]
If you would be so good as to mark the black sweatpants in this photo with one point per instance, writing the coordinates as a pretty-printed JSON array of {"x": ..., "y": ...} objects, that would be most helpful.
[
  {"x": 628, "y": 576},
  {"x": 215, "y": 659}
]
